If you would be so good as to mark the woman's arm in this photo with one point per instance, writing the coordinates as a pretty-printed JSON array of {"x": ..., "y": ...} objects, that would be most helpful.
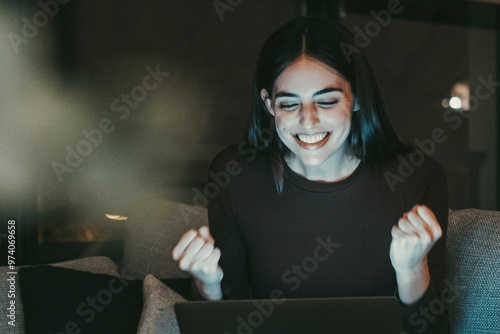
[
  {"x": 216, "y": 258},
  {"x": 413, "y": 238},
  {"x": 427, "y": 313},
  {"x": 209, "y": 291},
  {"x": 197, "y": 255},
  {"x": 412, "y": 283},
  {"x": 224, "y": 227}
]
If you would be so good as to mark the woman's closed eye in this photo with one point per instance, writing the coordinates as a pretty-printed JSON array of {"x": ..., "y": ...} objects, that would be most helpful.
[
  {"x": 288, "y": 106},
  {"x": 293, "y": 106},
  {"x": 327, "y": 104}
]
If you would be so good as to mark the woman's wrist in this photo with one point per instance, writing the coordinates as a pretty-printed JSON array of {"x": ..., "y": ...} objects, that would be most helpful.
[
  {"x": 408, "y": 273},
  {"x": 412, "y": 282},
  {"x": 211, "y": 291}
]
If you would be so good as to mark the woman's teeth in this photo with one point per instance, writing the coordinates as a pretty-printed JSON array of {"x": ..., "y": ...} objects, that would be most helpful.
[{"x": 312, "y": 139}]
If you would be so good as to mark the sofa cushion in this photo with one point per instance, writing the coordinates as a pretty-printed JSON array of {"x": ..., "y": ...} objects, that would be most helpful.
[
  {"x": 474, "y": 270},
  {"x": 158, "y": 314},
  {"x": 153, "y": 230},
  {"x": 58, "y": 300},
  {"x": 96, "y": 264}
]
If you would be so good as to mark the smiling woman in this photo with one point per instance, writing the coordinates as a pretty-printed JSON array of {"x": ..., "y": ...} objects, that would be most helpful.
[
  {"x": 322, "y": 177},
  {"x": 312, "y": 106},
  {"x": 291, "y": 53}
]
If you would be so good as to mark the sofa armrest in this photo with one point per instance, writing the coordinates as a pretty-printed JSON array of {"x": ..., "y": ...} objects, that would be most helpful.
[{"x": 473, "y": 248}]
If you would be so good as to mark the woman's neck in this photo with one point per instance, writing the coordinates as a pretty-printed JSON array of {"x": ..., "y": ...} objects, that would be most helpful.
[{"x": 332, "y": 170}]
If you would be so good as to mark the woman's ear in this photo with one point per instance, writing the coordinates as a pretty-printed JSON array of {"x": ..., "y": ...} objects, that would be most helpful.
[
  {"x": 355, "y": 104},
  {"x": 267, "y": 100}
]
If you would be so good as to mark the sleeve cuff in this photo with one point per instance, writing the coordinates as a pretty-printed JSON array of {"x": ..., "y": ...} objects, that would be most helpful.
[
  {"x": 428, "y": 296},
  {"x": 194, "y": 294},
  {"x": 424, "y": 315}
]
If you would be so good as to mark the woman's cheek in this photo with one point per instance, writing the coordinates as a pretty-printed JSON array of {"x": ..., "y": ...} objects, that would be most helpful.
[{"x": 280, "y": 124}]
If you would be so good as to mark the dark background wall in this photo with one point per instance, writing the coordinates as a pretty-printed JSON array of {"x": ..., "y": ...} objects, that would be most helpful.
[
  {"x": 417, "y": 63},
  {"x": 70, "y": 73}
]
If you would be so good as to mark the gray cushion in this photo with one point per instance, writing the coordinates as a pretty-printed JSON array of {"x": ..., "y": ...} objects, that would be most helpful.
[
  {"x": 153, "y": 230},
  {"x": 158, "y": 314},
  {"x": 96, "y": 265},
  {"x": 474, "y": 262}
]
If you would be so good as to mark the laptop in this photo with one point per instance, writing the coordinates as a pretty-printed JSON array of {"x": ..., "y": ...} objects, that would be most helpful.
[{"x": 353, "y": 315}]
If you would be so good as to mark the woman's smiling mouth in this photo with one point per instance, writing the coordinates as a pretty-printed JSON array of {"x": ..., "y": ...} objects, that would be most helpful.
[{"x": 312, "y": 141}]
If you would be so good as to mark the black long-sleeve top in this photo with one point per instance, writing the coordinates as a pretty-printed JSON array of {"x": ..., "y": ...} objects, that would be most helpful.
[{"x": 323, "y": 239}]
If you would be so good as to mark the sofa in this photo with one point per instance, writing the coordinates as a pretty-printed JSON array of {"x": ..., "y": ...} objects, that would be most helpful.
[{"x": 153, "y": 229}]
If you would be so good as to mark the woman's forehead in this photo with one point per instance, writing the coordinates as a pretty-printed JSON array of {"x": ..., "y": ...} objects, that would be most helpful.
[{"x": 308, "y": 75}]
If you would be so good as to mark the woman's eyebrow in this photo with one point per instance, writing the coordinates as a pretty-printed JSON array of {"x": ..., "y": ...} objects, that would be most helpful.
[
  {"x": 327, "y": 90},
  {"x": 285, "y": 94},
  {"x": 320, "y": 92}
]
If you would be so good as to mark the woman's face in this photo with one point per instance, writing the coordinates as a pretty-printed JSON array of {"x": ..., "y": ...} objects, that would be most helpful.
[{"x": 311, "y": 104}]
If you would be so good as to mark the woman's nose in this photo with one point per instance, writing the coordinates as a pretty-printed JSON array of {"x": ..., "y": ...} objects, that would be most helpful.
[{"x": 309, "y": 116}]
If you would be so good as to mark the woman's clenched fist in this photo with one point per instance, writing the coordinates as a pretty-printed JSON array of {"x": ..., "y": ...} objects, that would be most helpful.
[{"x": 197, "y": 255}]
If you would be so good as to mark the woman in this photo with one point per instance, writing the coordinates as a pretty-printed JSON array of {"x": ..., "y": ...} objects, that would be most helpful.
[{"x": 316, "y": 205}]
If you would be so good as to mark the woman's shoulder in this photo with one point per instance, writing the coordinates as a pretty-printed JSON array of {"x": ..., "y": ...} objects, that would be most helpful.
[
  {"x": 414, "y": 160},
  {"x": 415, "y": 166}
]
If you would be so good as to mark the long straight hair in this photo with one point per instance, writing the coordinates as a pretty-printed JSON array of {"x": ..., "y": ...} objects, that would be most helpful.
[{"x": 372, "y": 137}]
